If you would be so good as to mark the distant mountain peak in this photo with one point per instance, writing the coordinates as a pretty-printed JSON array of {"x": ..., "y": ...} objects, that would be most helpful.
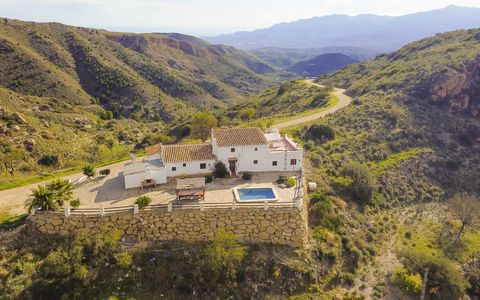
[{"x": 381, "y": 33}]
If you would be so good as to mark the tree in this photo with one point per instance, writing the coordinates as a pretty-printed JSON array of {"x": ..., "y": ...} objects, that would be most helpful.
[
  {"x": 246, "y": 113},
  {"x": 224, "y": 253},
  {"x": 220, "y": 170},
  {"x": 62, "y": 190},
  {"x": 321, "y": 132},
  {"x": 51, "y": 196},
  {"x": 202, "y": 124},
  {"x": 89, "y": 171},
  {"x": 43, "y": 198},
  {"x": 466, "y": 209},
  {"x": 362, "y": 185}
]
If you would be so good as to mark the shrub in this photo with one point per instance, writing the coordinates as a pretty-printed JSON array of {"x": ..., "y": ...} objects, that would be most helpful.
[
  {"x": 123, "y": 259},
  {"x": 89, "y": 171},
  {"x": 208, "y": 178},
  {"x": 220, "y": 170},
  {"x": 106, "y": 115},
  {"x": 49, "y": 160},
  {"x": 411, "y": 283},
  {"x": 281, "y": 179},
  {"x": 105, "y": 172},
  {"x": 321, "y": 132},
  {"x": 224, "y": 254},
  {"x": 143, "y": 201},
  {"x": 246, "y": 113},
  {"x": 247, "y": 175},
  {"x": 362, "y": 185},
  {"x": 290, "y": 182},
  {"x": 75, "y": 203}
]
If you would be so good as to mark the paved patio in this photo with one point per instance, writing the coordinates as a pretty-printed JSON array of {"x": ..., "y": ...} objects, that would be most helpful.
[{"x": 110, "y": 191}]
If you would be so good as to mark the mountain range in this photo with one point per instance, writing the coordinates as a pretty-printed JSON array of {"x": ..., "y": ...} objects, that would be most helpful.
[{"x": 379, "y": 33}]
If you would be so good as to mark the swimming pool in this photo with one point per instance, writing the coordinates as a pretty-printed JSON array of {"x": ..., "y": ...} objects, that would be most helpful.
[{"x": 258, "y": 194}]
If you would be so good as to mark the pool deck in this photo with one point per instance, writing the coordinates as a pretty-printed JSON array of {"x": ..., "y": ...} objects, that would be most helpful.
[{"x": 110, "y": 192}]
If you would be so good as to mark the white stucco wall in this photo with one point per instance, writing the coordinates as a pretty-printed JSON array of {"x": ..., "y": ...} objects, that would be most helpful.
[
  {"x": 190, "y": 168},
  {"x": 246, "y": 156},
  {"x": 135, "y": 180}
]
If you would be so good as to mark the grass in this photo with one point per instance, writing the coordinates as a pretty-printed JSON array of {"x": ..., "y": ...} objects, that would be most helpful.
[
  {"x": 8, "y": 221},
  {"x": 396, "y": 159}
]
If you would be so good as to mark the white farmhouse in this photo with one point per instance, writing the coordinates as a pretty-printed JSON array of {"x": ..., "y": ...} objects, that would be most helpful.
[{"x": 240, "y": 149}]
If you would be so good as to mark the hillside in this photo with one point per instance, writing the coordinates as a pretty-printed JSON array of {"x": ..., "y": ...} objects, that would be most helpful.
[
  {"x": 423, "y": 96},
  {"x": 285, "y": 58},
  {"x": 62, "y": 84},
  {"x": 322, "y": 64},
  {"x": 168, "y": 74},
  {"x": 380, "y": 33}
]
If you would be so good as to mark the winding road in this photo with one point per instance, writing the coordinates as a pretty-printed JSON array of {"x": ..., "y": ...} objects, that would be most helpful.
[{"x": 344, "y": 100}]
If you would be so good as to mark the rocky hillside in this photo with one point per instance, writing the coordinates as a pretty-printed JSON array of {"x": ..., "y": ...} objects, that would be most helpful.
[
  {"x": 147, "y": 76},
  {"x": 443, "y": 70},
  {"x": 322, "y": 64},
  {"x": 414, "y": 122}
]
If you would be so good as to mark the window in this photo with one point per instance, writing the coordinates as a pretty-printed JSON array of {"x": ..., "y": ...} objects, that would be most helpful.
[
  {"x": 203, "y": 166},
  {"x": 293, "y": 161},
  {"x": 255, "y": 162},
  {"x": 232, "y": 149},
  {"x": 184, "y": 164},
  {"x": 274, "y": 163},
  {"x": 174, "y": 169}
]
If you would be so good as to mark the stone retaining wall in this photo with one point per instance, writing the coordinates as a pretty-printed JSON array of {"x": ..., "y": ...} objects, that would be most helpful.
[{"x": 281, "y": 225}]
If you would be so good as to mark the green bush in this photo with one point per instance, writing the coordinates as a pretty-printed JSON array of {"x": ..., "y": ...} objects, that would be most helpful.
[
  {"x": 247, "y": 175},
  {"x": 411, "y": 283},
  {"x": 224, "y": 254},
  {"x": 143, "y": 201},
  {"x": 49, "y": 160},
  {"x": 281, "y": 179},
  {"x": 290, "y": 182},
  {"x": 208, "y": 178},
  {"x": 75, "y": 203},
  {"x": 220, "y": 170},
  {"x": 89, "y": 171},
  {"x": 105, "y": 172},
  {"x": 321, "y": 132},
  {"x": 362, "y": 184}
]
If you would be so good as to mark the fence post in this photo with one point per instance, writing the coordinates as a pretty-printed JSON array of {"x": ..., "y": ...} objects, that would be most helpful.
[
  {"x": 67, "y": 212},
  {"x": 169, "y": 206},
  {"x": 102, "y": 211},
  {"x": 265, "y": 205},
  {"x": 233, "y": 204},
  {"x": 135, "y": 209},
  {"x": 201, "y": 206}
]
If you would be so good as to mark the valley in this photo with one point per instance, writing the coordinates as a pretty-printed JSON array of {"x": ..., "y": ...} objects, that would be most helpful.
[{"x": 377, "y": 197}]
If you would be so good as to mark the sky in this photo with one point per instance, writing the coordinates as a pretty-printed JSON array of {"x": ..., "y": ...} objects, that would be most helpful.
[{"x": 203, "y": 17}]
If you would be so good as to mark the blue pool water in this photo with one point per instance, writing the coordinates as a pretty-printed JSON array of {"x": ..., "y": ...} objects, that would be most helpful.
[{"x": 246, "y": 194}]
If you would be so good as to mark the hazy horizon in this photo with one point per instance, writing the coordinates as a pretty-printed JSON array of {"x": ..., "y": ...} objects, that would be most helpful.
[{"x": 202, "y": 18}]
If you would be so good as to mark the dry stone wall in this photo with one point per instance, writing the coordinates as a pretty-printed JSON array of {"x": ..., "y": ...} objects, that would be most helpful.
[{"x": 280, "y": 225}]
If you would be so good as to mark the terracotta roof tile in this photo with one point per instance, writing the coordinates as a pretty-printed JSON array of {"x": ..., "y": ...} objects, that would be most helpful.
[
  {"x": 154, "y": 149},
  {"x": 239, "y": 137},
  {"x": 187, "y": 152}
]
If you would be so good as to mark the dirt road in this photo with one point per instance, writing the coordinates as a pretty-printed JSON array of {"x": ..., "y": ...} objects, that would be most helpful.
[{"x": 339, "y": 93}]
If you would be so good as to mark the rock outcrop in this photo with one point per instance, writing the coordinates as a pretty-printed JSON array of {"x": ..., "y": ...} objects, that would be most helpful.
[{"x": 459, "y": 91}]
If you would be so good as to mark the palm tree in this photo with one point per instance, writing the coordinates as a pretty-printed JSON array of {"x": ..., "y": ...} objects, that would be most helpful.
[
  {"x": 43, "y": 198},
  {"x": 50, "y": 197},
  {"x": 62, "y": 190}
]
